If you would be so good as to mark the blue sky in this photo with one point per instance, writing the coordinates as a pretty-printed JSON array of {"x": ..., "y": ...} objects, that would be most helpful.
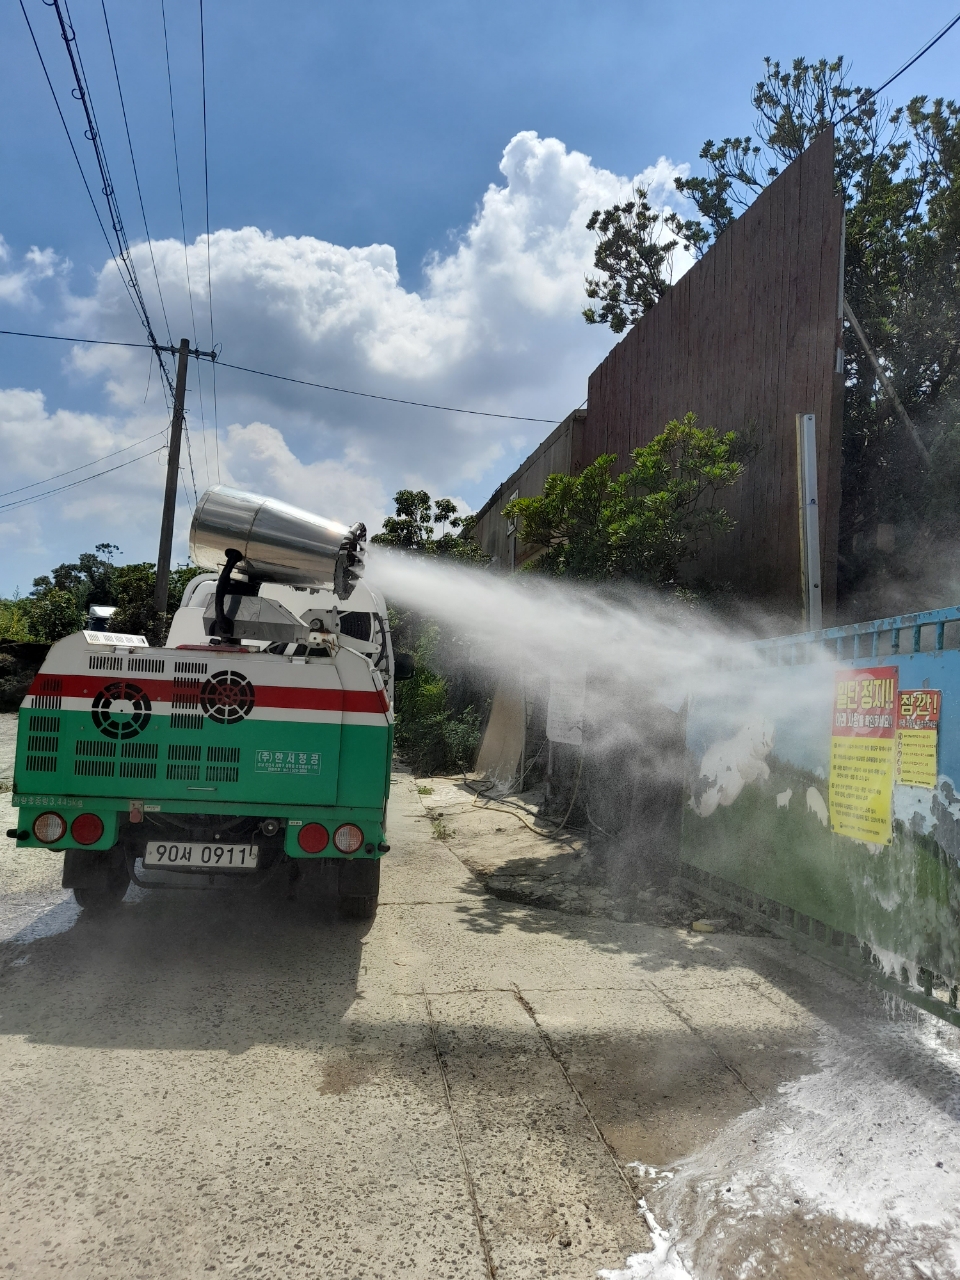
[{"x": 413, "y": 181}]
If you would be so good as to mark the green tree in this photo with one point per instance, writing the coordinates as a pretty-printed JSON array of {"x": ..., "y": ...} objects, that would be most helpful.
[
  {"x": 634, "y": 256},
  {"x": 438, "y": 724},
  {"x": 15, "y": 620},
  {"x": 53, "y": 614},
  {"x": 413, "y": 528},
  {"x": 134, "y": 585},
  {"x": 640, "y": 525},
  {"x": 90, "y": 580},
  {"x": 135, "y": 613}
]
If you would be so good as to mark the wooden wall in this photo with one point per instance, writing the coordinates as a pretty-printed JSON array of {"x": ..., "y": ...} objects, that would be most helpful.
[
  {"x": 748, "y": 339},
  {"x": 560, "y": 452}
]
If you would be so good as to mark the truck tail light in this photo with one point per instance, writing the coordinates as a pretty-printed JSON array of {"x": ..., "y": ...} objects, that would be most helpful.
[
  {"x": 313, "y": 838},
  {"x": 86, "y": 829},
  {"x": 348, "y": 838},
  {"x": 49, "y": 827}
]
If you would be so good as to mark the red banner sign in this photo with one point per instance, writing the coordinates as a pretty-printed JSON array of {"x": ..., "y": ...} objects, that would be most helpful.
[{"x": 865, "y": 703}]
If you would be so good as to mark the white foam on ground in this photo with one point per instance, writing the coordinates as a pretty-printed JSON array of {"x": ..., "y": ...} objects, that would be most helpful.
[
  {"x": 660, "y": 1263},
  {"x": 872, "y": 1139},
  {"x": 867, "y": 1143}
]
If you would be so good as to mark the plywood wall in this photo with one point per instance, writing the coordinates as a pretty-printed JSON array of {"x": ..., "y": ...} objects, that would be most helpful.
[
  {"x": 560, "y": 452},
  {"x": 748, "y": 339}
]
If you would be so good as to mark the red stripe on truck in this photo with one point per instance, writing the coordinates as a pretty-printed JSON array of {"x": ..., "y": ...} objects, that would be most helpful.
[{"x": 293, "y": 697}]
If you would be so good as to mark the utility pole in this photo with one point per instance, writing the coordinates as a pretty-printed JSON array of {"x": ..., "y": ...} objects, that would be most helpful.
[{"x": 173, "y": 472}]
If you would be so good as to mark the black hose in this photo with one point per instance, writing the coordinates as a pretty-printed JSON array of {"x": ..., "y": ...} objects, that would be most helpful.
[{"x": 224, "y": 624}]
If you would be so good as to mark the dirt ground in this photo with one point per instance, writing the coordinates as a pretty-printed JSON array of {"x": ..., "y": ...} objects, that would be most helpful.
[
  {"x": 467, "y": 1086},
  {"x": 520, "y": 858}
]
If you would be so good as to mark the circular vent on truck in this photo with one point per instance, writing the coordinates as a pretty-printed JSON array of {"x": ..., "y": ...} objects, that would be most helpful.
[
  {"x": 227, "y": 697},
  {"x": 121, "y": 710}
]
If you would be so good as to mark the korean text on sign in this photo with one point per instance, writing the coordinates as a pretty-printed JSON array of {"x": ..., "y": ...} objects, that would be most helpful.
[
  {"x": 918, "y": 724},
  {"x": 302, "y": 764},
  {"x": 865, "y": 712}
]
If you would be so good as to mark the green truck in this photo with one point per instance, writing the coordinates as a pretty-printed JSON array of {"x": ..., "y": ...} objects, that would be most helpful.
[{"x": 257, "y": 742}]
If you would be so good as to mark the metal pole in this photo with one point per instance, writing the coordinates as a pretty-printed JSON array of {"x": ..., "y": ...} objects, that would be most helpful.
[
  {"x": 888, "y": 386},
  {"x": 173, "y": 471},
  {"x": 809, "y": 521}
]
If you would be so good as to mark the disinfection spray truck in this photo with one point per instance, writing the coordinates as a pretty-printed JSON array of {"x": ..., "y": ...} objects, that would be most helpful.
[{"x": 256, "y": 743}]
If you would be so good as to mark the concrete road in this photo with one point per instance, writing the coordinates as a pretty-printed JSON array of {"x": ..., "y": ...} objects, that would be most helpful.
[{"x": 212, "y": 1083}]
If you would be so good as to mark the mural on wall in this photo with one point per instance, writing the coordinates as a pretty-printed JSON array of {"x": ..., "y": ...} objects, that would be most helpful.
[{"x": 834, "y": 791}]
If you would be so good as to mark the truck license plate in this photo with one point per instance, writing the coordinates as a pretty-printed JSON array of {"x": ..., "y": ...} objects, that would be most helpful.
[{"x": 207, "y": 857}]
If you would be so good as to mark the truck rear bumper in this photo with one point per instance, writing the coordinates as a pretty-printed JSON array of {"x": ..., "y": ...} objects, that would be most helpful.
[{"x": 131, "y": 823}]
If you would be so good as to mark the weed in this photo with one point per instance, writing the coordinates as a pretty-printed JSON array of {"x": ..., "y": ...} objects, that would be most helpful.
[
  {"x": 440, "y": 829},
  {"x": 425, "y": 791}
]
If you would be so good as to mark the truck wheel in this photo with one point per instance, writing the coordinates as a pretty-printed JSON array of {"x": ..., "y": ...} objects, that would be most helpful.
[
  {"x": 359, "y": 888},
  {"x": 104, "y": 892}
]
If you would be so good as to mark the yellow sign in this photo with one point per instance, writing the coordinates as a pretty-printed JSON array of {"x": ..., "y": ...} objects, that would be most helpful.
[
  {"x": 918, "y": 722},
  {"x": 862, "y": 754}
]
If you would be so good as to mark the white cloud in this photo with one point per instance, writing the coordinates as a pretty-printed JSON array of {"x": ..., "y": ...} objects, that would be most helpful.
[
  {"x": 257, "y": 457},
  {"x": 495, "y": 325},
  {"x": 16, "y": 287}
]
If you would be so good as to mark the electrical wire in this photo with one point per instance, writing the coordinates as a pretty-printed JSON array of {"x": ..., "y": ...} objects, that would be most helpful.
[
  {"x": 25, "y": 502},
  {"x": 84, "y": 96},
  {"x": 76, "y": 156},
  {"x": 136, "y": 175},
  {"x": 370, "y": 395},
  {"x": 176, "y": 162},
  {"x": 68, "y": 32},
  {"x": 551, "y": 831},
  {"x": 206, "y": 204},
  {"x": 183, "y": 221},
  {"x": 872, "y": 93},
  {"x": 92, "y": 463},
  {"x": 917, "y": 56},
  {"x": 261, "y": 373},
  {"x": 90, "y": 342},
  {"x": 193, "y": 478}
]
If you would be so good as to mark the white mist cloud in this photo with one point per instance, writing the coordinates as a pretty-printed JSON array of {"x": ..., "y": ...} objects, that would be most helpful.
[{"x": 495, "y": 324}]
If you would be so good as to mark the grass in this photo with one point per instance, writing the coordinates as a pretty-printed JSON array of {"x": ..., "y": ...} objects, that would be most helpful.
[{"x": 440, "y": 829}]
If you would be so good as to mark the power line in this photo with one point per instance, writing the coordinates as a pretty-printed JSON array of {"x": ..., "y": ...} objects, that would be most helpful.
[
  {"x": 872, "y": 93},
  {"x": 917, "y": 56},
  {"x": 370, "y": 395},
  {"x": 68, "y": 32},
  {"x": 206, "y": 201},
  {"x": 92, "y": 463},
  {"x": 136, "y": 175},
  {"x": 183, "y": 227},
  {"x": 66, "y": 129},
  {"x": 25, "y": 502},
  {"x": 90, "y": 342},
  {"x": 261, "y": 373}
]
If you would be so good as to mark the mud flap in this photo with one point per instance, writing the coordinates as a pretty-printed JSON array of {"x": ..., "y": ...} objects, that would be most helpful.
[{"x": 92, "y": 868}]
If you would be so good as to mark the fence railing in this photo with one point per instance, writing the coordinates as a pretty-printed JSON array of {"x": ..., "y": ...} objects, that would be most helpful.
[{"x": 929, "y": 632}]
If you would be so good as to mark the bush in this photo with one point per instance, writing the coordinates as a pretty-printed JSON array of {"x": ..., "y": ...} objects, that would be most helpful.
[
  {"x": 14, "y": 621},
  {"x": 53, "y": 615},
  {"x": 438, "y": 726}
]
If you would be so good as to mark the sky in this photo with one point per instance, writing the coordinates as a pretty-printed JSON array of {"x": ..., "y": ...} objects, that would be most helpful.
[{"x": 398, "y": 198}]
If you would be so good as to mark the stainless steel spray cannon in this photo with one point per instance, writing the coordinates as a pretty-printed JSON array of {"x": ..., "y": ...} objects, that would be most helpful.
[{"x": 269, "y": 541}]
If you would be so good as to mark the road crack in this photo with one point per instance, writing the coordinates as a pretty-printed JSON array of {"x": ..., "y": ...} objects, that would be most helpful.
[
  {"x": 468, "y": 1176},
  {"x": 555, "y": 1055}
]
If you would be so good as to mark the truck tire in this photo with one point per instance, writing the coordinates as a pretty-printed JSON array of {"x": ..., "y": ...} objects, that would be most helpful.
[
  {"x": 358, "y": 887},
  {"x": 99, "y": 879}
]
